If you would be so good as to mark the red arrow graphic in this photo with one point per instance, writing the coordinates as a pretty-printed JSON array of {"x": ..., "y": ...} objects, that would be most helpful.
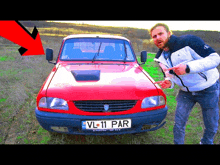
[{"x": 17, "y": 33}]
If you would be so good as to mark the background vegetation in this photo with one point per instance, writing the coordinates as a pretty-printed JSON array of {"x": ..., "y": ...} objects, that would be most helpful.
[{"x": 22, "y": 77}]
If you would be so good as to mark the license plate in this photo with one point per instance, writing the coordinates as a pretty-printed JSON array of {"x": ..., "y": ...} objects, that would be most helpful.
[{"x": 106, "y": 124}]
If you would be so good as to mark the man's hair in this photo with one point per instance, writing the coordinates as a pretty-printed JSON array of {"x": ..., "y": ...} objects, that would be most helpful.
[{"x": 160, "y": 24}]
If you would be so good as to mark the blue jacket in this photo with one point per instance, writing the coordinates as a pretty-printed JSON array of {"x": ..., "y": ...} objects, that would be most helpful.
[{"x": 200, "y": 57}]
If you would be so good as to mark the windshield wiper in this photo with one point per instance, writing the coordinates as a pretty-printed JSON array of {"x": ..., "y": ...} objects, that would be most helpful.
[
  {"x": 125, "y": 52},
  {"x": 97, "y": 53}
]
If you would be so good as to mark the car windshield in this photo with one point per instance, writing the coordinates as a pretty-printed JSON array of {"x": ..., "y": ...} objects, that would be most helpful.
[{"x": 97, "y": 49}]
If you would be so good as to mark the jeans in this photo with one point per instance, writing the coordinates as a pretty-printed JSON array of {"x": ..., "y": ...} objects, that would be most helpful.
[{"x": 208, "y": 100}]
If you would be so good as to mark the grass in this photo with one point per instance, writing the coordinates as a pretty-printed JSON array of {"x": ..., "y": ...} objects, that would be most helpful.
[
  {"x": 23, "y": 127},
  {"x": 22, "y": 77},
  {"x": 6, "y": 58}
]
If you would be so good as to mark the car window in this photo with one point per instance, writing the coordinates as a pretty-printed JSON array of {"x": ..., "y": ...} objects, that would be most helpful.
[{"x": 104, "y": 49}]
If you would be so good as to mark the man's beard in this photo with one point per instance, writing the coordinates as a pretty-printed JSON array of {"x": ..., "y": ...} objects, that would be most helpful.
[{"x": 166, "y": 43}]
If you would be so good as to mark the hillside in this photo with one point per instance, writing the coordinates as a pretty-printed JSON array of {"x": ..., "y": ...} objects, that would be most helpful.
[{"x": 140, "y": 38}]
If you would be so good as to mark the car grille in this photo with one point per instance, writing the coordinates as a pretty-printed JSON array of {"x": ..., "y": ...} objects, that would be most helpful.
[{"x": 105, "y": 105}]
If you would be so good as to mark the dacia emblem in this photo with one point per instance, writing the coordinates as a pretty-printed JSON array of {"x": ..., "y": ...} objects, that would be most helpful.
[{"x": 106, "y": 107}]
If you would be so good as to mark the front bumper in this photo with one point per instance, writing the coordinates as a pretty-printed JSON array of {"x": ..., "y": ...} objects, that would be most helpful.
[{"x": 74, "y": 126}]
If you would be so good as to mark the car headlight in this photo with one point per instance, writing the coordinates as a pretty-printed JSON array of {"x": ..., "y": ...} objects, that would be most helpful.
[
  {"x": 154, "y": 101},
  {"x": 53, "y": 103}
]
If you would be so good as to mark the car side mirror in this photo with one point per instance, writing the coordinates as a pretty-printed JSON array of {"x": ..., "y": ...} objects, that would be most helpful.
[
  {"x": 143, "y": 57},
  {"x": 49, "y": 54}
]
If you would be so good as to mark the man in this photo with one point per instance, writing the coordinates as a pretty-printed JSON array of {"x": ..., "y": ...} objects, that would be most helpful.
[{"x": 191, "y": 64}]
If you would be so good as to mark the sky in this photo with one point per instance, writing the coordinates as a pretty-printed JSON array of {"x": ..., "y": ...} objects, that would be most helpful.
[{"x": 174, "y": 25}]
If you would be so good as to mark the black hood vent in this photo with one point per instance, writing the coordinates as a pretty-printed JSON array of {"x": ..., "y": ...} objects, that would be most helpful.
[{"x": 86, "y": 75}]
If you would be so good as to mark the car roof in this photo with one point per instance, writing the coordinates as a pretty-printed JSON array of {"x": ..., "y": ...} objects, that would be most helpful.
[{"x": 95, "y": 36}]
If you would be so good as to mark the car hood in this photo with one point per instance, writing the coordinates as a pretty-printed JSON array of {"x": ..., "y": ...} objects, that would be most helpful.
[{"x": 115, "y": 82}]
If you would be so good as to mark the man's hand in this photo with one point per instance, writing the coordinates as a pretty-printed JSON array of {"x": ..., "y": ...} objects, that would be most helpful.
[
  {"x": 164, "y": 84},
  {"x": 179, "y": 69}
]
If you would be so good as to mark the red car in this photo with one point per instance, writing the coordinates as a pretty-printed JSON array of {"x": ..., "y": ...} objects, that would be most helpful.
[{"x": 97, "y": 87}]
